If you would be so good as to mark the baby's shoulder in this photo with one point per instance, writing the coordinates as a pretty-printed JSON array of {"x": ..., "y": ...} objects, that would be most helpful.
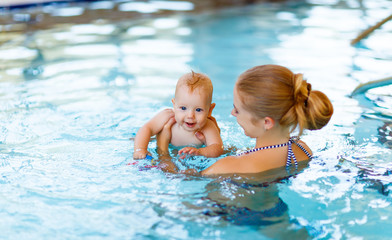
[
  {"x": 211, "y": 125},
  {"x": 160, "y": 119},
  {"x": 166, "y": 111},
  {"x": 164, "y": 114}
]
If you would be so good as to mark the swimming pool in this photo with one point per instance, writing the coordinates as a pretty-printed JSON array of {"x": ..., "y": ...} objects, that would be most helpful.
[{"x": 72, "y": 96}]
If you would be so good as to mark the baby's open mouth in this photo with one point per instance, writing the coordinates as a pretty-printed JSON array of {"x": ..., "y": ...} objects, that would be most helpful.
[{"x": 190, "y": 125}]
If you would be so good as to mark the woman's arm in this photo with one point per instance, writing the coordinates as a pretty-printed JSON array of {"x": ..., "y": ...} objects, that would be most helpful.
[
  {"x": 168, "y": 166},
  {"x": 151, "y": 128},
  {"x": 163, "y": 138},
  {"x": 165, "y": 160}
]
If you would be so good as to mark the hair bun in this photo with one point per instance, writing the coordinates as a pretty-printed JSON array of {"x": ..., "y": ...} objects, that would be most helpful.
[
  {"x": 313, "y": 109},
  {"x": 309, "y": 87},
  {"x": 301, "y": 90},
  {"x": 319, "y": 110}
]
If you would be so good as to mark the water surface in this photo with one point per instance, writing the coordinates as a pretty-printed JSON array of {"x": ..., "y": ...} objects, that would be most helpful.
[{"x": 73, "y": 95}]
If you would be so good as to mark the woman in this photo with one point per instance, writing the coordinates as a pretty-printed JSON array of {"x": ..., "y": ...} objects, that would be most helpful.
[{"x": 270, "y": 102}]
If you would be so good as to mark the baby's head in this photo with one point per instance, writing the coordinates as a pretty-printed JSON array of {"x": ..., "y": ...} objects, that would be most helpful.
[
  {"x": 276, "y": 92},
  {"x": 192, "y": 100},
  {"x": 195, "y": 82}
]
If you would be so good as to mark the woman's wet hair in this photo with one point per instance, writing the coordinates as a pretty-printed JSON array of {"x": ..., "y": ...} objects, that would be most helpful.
[{"x": 275, "y": 91}]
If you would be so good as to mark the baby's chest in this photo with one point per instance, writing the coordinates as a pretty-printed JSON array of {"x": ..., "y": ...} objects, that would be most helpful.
[{"x": 184, "y": 138}]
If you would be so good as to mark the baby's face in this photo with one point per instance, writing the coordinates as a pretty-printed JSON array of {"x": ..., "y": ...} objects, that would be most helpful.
[{"x": 191, "y": 109}]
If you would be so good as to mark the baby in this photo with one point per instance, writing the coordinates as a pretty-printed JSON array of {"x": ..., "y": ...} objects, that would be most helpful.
[{"x": 192, "y": 109}]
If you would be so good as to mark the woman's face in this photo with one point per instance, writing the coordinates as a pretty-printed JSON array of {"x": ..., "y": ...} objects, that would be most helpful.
[{"x": 251, "y": 128}]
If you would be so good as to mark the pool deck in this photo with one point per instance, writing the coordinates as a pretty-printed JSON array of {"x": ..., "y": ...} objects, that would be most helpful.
[
  {"x": 20, "y": 16},
  {"x": 25, "y": 15},
  {"x": 6, "y": 3},
  {"x": 17, "y": 3}
]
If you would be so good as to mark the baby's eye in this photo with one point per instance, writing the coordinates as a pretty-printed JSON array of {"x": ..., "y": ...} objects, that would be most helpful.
[
  {"x": 183, "y": 108},
  {"x": 199, "y": 109}
]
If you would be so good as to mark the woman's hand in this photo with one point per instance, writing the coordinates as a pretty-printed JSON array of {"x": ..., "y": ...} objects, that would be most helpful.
[
  {"x": 164, "y": 137},
  {"x": 163, "y": 140},
  {"x": 200, "y": 136}
]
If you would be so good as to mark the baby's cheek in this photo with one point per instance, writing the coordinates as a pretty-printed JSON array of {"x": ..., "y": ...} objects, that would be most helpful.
[{"x": 177, "y": 117}]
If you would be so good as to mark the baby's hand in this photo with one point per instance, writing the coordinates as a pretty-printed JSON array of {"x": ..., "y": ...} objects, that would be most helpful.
[
  {"x": 190, "y": 151},
  {"x": 140, "y": 153}
]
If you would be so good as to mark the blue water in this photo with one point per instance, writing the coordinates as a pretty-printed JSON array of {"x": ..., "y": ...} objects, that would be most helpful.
[{"x": 73, "y": 96}]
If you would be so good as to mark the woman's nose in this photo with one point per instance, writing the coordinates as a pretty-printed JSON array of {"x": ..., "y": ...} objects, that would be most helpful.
[{"x": 233, "y": 112}]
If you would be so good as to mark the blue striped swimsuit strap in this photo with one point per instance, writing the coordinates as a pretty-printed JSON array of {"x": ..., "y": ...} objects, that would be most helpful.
[
  {"x": 303, "y": 149},
  {"x": 295, "y": 140},
  {"x": 290, "y": 156},
  {"x": 263, "y": 148}
]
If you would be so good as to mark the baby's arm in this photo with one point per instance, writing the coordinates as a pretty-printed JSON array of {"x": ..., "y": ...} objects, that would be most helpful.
[
  {"x": 151, "y": 128},
  {"x": 213, "y": 142}
]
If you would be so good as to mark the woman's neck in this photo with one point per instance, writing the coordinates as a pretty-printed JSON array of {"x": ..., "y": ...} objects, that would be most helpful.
[{"x": 272, "y": 137}]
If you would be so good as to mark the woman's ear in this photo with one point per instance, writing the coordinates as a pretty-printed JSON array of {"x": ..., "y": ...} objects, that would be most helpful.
[
  {"x": 211, "y": 108},
  {"x": 269, "y": 123}
]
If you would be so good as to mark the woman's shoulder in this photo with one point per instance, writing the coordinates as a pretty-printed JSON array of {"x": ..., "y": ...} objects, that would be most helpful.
[
  {"x": 249, "y": 163},
  {"x": 305, "y": 146},
  {"x": 255, "y": 162},
  {"x": 224, "y": 165}
]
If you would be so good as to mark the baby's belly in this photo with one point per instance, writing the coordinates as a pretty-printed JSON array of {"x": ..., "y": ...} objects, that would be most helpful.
[{"x": 186, "y": 141}]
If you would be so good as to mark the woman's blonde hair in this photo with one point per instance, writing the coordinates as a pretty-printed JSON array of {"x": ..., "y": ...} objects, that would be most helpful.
[{"x": 275, "y": 91}]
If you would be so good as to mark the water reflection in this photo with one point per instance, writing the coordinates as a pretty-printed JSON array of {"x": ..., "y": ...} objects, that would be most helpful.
[
  {"x": 68, "y": 12},
  {"x": 141, "y": 31},
  {"x": 94, "y": 29},
  {"x": 155, "y": 6},
  {"x": 138, "y": 7},
  {"x": 101, "y": 5},
  {"x": 18, "y": 52}
]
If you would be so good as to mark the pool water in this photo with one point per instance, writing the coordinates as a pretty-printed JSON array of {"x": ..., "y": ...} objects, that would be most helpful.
[{"x": 74, "y": 95}]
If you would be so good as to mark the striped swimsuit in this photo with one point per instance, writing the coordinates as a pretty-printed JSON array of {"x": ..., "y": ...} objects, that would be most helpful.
[{"x": 290, "y": 155}]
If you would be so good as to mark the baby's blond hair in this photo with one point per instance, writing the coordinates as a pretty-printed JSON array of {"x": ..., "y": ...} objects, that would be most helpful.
[{"x": 195, "y": 81}]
